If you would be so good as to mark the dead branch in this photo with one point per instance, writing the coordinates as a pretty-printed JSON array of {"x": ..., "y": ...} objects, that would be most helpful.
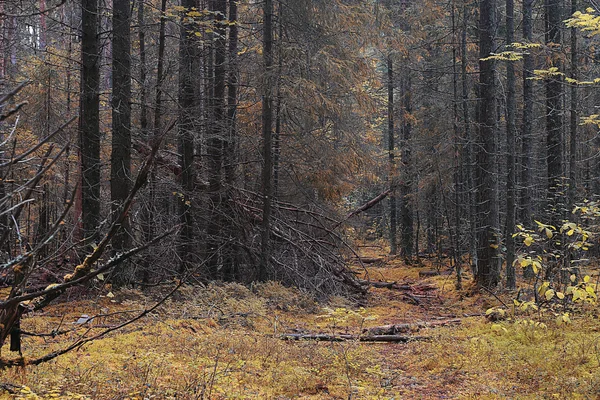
[
  {"x": 369, "y": 204},
  {"x": 38, "y": 145}
]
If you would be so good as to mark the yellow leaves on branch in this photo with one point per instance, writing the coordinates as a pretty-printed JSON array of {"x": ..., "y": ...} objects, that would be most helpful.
[{"x": 586, "y": 22}]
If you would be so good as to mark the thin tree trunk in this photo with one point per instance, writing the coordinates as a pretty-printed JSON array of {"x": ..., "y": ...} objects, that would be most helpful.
[
  {"x": 230, "y": 268},
  {"x": 457, "y": 164},
  {"x": 267, "y": 122},
  {"x": 391, "y": 157},
  {"x": 186, "y": 138},
  {"x": 216, "y": 142},
  {"x": 554, "y": 118},
  {"x": 526, "y": 195},
  {"x": 406, "y": 212},
  {"x": 469, "y": 146},
  {"x": 572, "y": 191},
  {"x": 510, "y": 151}
]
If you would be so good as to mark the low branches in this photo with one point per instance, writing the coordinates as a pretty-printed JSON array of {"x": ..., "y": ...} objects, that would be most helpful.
[
  {"x": 24, "y": 265},
  {"x": 306, "y": 251}
]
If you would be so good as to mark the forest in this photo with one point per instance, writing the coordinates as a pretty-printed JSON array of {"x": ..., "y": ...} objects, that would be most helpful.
[{"x": 299, "y": 199}]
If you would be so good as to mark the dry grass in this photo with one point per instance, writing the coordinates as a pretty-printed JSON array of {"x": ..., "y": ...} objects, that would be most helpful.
[{"x": 221, "y": 342}]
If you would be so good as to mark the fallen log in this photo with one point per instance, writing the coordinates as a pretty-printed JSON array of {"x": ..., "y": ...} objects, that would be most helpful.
[
  {"x": 370, "y": 260},
  {"x": 428, "y": 273},
  {"x": 321, "y": 337},
  {"x": 394, "y": 329},
  {"x": 421, "y": 287}
]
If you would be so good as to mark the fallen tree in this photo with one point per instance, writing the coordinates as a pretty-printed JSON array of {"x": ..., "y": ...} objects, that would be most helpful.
[{"x": 321, "y": 337}]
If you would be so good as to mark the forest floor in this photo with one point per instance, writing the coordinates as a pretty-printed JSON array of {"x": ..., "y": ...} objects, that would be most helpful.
[{"x": 224, "y": 342}]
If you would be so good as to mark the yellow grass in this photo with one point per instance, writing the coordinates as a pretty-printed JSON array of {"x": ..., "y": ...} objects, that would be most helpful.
[{"x": 222, "y": 342}]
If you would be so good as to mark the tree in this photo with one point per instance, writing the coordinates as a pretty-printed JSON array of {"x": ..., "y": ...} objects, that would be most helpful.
[
  {"x": 392, "y": 157},
  {"x": 554, "y": 121},
  {"x": 267, "y": 132},
  {"x": 510, "y": 150},
  {"x": 525, "y": 203},
  {"x": 89, "y": 120},
  {"x": 186, "y": 99},
  {"x": 120, "y": 165},
  {"x": 487, "y": 268}
]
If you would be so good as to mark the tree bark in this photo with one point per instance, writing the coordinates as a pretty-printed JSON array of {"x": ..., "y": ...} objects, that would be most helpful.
[
  {"x": 120, "y": 163},
  {"x": 186, "y": 138},
  {"x": 267, "y": 131},
  {"x": 216, "y": 139},
  {"x": 392, "y": 157},
  {"x": 526, "y": 194},
  {"x": 554, "y": 122},
  {"x": 573, "y": 139},
  {"x": 487, "y": 271},
  {"x": 89, "y": 122},
  {"x": 405, "y": 185},
  {"x": 510, "y": 150}
]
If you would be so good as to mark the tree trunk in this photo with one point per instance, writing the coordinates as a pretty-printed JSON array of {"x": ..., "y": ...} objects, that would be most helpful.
[
  {"x": 526, "y": 195},
  {"x": 406, "y": 213},
  {"x": 572, "y": 190},
  {"x": 469, "y": 147},
  {"x": 230, "y": 266},
  {"x": 89, "y": 122},
  {"x": 487, "y": 271},
  {"x": 120, "y": 163},
  {"x": 267, "y": 122},
  {"x": 216, "y": 142},
  {"x": 554, "y": 117},
  {"x": 391, "y": 156},
  {"x": 510, "y": 151},
  {"x": 186, "y": 137}
]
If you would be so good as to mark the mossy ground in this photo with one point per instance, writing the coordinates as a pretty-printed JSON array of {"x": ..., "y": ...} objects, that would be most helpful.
[{"x": 222, "y": 342}]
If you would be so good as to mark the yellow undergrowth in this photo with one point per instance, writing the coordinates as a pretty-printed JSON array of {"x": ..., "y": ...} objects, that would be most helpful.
[{"x": 222, "y": 342}]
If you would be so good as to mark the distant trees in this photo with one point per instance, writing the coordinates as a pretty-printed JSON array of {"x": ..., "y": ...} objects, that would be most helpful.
[{"x": 274, "y": 133}]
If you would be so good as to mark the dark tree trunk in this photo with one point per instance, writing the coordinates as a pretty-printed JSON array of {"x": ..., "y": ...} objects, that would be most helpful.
[
  {"x": 526, "y": 195},
  {"x": 405, "y": 185},
  {"x": 487, "y": 271},
  {"x": 554, "y": 117},
  {"x": 159, "y": 69},
  {"x": 572, "y": 190},
  {"x": 469, "y": 147},
  {"x": 230, "y": 148},
  {"x": 391, "y": 157},
  {"x": 216, "y": 142},
  {"x": 510, "y": 151},
  {"x": 89, "y": 122},
  {"x": 186, "y": 137},
  {"x": 143, "y": 70},
  {"x": 267, "y": 131},
  {"x": 120, "y": 164}
]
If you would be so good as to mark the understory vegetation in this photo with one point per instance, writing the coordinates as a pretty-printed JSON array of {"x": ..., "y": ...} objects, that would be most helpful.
[{"x": 225, "y": 341}]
